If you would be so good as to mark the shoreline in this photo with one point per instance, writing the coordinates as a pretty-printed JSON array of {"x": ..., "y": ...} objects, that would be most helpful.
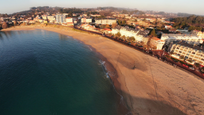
[{"x": 147, "y": 85}]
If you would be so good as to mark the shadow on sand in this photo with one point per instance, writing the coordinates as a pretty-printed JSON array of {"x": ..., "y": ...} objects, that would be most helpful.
[{"x": 149, "y": 107}]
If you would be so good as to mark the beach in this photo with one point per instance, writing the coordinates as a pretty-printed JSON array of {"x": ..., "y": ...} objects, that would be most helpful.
[{"x": 148, "y": 85}]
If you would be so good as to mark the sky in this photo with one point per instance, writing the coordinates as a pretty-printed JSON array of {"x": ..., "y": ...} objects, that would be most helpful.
[{"x": 170, "y": 6}]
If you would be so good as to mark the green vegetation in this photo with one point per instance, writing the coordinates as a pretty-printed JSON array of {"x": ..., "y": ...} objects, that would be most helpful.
[
  {"x": 118, "y": 34},
  {"x": 122, "y": 22},
  {"x": 153, "y": 33},
  {"x": 131, "y": 39},
  {"x": 193, "y": 22},
  {"x": 70, "y": 11}
]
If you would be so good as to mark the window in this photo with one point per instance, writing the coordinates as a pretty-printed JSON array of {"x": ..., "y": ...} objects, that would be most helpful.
[
  {"x": 193, "y": 52},
  {"x": 180, "y": 51}
]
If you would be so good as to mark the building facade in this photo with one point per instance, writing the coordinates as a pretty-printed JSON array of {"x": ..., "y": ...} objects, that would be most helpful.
[
  {"x": 191, "y": 54},
  {"x": 105, "y": 21},
  {"x": 189, "y": 38},
  {"x": 61, "y": 18},
  {"x": 156, "y": 43},
  {"x": 51, "y": 19},
  {"x": 138, "y": 34}
]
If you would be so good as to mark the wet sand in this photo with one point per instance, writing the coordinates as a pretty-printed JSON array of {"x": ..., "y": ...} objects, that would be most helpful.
[{"x": 148, "y": 85}]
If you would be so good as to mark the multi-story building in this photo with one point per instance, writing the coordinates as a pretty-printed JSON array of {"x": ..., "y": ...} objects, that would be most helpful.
[
  {"x": 190, "y": 53},
  {"x": 138, "y": 34},
  {"x": 86, "y": 20},
  {"x": 198, "y": 33},
  {"x": 44, "y": 17},
  {"x": 69, "y": 21},
  {"x": 51, "y": 19},
  {"x": 61, "y": 18},
  {"x": 156, "y": 43},
  {"x": 105, "y": 21},
  {"x": 189, "y": 38}
]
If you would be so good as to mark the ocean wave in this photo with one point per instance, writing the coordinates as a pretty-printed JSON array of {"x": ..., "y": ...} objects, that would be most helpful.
[
  {"x": 108, "y": 76},
  {"x": 104, "y": 68},
  {"x": 90, "y": 48}
]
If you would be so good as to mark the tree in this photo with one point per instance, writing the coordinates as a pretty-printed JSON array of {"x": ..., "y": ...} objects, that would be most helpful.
[
  {"x": 131, "y": 39},
  {"x": 123, "y": 37},
  {"x": 119, "y": 22},
  {"x": 153, "y": 33},
  {"x": 118, "y": 34},
  {"x": 124, "y": 22},
  {"x": 107, "y": 26},
  {"x": 4, "y": 25}
]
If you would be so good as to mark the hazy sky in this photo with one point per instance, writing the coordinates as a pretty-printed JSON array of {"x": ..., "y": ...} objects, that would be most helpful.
[{"x": 174, "y": 6}]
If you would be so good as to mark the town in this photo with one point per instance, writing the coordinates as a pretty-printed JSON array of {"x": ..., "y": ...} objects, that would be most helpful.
[{"x": 160, "y": 34}]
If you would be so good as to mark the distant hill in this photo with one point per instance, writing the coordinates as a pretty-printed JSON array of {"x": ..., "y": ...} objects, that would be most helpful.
[{"x": 193, "y": 22}]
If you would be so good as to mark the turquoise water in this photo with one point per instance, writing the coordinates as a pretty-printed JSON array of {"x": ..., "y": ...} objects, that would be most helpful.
[{"x": 46, "y": 73}]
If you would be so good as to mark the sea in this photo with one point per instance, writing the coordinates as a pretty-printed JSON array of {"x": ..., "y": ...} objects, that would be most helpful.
[{"x": 47, "y": 73}]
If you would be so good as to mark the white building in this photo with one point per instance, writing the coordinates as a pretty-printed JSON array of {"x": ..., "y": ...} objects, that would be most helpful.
[
  {"x": 86, "y": 20},
  {"x": 127, "y": 32},
  {"x": 61, "y": 18},
  {"x": 105, "y": 21},
  {"x": 191, "y": 54},
  {"x": 44, "y": 17},
  {"x": 190, "y": 39},
  {"x": 156, "y": 43},
  {"x": 69, "y": 21},
  {"x": 51, "y": 19}
]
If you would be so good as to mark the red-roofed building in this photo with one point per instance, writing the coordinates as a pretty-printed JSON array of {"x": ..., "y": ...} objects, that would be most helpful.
[
  {"x": 156, "y": 43},
  {"x": 69, "y": 21}
]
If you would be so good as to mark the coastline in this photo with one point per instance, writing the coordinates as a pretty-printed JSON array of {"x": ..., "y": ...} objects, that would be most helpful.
[{"x": 147, "y": 85}]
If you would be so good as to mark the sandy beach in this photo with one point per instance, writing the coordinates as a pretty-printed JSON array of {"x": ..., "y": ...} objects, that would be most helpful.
[{"x": 148, "y": 85}]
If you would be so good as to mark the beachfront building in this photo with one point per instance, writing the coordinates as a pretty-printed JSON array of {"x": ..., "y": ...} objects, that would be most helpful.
[
  {"x": 190, "y": 53},
  {"x": 51, "y": 19},
  {"x": 138, "y": 34},
  {"x": 189, "y": 38},
  {"x": 86, "y": 20},
  {"x": 106, "y": 21},
  {"x": 69, "y": 21},
  {"x": 61, "y": 18},
  {"x": 156, "y": 43},
  {"x": 44, "y": 17}
]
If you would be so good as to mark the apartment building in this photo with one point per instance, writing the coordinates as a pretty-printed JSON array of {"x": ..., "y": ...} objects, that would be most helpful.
[
  {"x": 105, "y": 21},
  {"x": 69, "y": 21},
  {"x": 86, "y": 20},
  {"x": 156, "y": 43},
  {"x": 190, "y": 53},
  {"x": 189, "y": 38},
  {"x": 51, "y": 19},
  {"x": 198, "y": 33},
  {"x": 61, "y": 18},
  {"x": 138, "y": 34}
]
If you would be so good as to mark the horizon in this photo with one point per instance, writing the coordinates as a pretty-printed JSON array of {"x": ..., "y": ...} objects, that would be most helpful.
[{"x": 145, "y": 5}]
